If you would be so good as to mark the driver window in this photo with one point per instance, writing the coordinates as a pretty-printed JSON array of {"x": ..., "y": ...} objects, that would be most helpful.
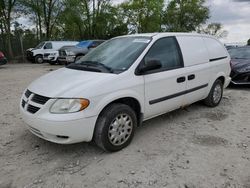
[
  {"x": 166, "y": 51},
  {"x": 48, "y": 45}
]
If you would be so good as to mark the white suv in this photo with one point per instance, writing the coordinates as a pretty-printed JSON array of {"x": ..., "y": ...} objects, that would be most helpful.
[{"x": 106, "y": 94}]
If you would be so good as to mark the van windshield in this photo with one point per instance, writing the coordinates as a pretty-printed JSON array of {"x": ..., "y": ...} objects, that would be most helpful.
[
  {"x": 40, "y": 45},
  {"x": 83, "y": 44},
  {"x": 115, "y": 55}
]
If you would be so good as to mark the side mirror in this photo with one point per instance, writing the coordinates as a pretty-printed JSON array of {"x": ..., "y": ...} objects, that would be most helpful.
[{"x": 150, "y": 65}]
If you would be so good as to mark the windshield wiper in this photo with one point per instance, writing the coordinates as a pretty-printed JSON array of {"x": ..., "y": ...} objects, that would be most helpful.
[
  {"x": 83, "y": 68},
  {"x": 96, "y": 64}
]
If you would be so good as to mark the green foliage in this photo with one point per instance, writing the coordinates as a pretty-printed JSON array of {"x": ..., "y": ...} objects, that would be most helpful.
[
  {"x": 185, "y": 15},
  {"x": 215, "y": 29},
  {"x": 248, "y": 42},
  {"x": 143, "y": 15}
]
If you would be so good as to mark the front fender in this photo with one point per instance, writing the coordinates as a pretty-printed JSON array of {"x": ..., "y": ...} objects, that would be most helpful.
[{"x": 107, "y": 99}]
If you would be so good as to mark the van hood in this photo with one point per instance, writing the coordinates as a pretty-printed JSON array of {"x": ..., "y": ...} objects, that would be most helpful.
[{"x": 69, "y": 83}]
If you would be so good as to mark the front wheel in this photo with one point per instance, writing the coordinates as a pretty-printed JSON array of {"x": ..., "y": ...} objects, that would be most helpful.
[
  {"x": 115, "y": 127},
  {"x": 39, "y": 59},
  {"x": 215, "y": 94}
]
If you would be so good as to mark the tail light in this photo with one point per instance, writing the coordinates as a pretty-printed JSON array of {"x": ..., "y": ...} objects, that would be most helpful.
[{"x": 1, "y": 55}]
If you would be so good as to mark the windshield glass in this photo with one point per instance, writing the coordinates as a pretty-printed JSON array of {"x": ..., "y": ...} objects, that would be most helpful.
[
  {"x": 83, "y": 44},
  {"x": 40, "y": 45},
  {"x": 117, "y": 54},
  {"x": 239, "y": 53}
]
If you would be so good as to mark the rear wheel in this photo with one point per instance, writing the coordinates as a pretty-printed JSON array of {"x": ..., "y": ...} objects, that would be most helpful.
[
  {"x": 39, "y": 59},
  {"x": 115, "y": 127},
  {"x": 215, "y": 94}
]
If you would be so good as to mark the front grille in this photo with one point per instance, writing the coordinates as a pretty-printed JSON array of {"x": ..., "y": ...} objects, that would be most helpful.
[
  {"x": 62, "y": 53},
  {"x": 23, "y": 103},
  {"x": 39, "y": 99},
  {"x": 28, "y": 93},
  {"x": 32, "y": 109},
  {"x": 36, "y": 99},
  {"x": 46, "y": 54}
]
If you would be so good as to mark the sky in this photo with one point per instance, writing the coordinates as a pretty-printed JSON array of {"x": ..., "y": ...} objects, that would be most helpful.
[{"x": 234, "y": 15}]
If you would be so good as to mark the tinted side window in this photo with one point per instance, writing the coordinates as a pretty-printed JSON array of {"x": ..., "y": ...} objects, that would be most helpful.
[
  {"x": 165, "y": 50},
  {"x": 48, "y": 45}
]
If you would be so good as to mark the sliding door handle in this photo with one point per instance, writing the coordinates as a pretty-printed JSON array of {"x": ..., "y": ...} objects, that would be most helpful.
[
  {"x": 191, "y": 77},
  {"x": 181, "y": 79}
]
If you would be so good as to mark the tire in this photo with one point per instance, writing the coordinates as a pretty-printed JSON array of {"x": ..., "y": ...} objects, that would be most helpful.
[
  {"x": 109, "y": 140},
  {"x": 39, "y": 59},
  {"x": 215, "y": 94}
]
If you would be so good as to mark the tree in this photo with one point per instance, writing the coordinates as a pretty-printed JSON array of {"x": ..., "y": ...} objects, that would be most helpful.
[
  {"x": 6, "y": 10},
  {"x": 185, "y": 15},
  {"x": 45, "y": 14},
  {"x": 248, "y": 42},
  {"x": 215, "y": 29},
  {"x": 33, "y": 8},
  {"x": 90, "y": 19},
  {"x": 143, "y": 15}
]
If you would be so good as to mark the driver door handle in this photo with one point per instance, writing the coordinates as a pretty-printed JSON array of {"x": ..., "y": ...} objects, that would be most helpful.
[{"x": 181, "y": 79}]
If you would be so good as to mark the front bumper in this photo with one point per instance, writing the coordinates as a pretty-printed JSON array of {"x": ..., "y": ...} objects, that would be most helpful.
[
  {"x": 240, "y": 78},
  {"x": 60, "y": 131},
  {"x": 50, "y": 58},
  {"x": 67, "y": 59},
  {"x": 29, "y": 56}
]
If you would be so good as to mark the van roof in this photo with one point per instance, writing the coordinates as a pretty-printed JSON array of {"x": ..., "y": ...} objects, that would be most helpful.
[
  {"x": 59, "y": 41},
  {"x": 164, "y": 34}
]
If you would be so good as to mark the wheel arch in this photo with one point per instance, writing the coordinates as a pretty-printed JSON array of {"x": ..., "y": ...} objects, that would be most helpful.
[{"x": 134, "y": 102}]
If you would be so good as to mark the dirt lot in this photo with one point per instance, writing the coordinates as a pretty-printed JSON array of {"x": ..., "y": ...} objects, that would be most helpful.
[{"x": 196, "y": 147}]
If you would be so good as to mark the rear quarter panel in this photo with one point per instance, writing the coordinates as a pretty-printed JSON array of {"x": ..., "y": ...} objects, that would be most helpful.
[{"x": 219, "y": 59}]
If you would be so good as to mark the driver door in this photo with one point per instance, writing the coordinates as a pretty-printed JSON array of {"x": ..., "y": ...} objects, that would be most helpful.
[{"x": 164, "y": 87}]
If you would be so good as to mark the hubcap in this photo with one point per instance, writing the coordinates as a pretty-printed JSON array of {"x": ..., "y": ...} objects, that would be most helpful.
[
  {"x": 39, "y": 60},
  {"x": 120, "y": 129},
  {"x": 217, "y": 93}
]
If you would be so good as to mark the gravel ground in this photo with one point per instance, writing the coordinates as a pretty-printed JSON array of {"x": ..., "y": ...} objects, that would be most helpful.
[{"x": 195, "y": 147}]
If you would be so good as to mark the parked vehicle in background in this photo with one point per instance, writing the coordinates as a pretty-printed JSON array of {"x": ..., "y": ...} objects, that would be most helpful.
[
  {"x": 3, "y": 59},
  {"x": 106, "y": 94},
  {"x": 47, "y": 50},
  {"x": 240, "y": 64},
  {"x": 52, "y": 57},
  {"x": 69, "y": 55}
]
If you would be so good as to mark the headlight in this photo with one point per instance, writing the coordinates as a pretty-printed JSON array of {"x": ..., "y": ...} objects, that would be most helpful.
[
  {"x": 63, "y": 106},
  {"x": 53, "y": 54},
  {"x": 70, "y": 53}
]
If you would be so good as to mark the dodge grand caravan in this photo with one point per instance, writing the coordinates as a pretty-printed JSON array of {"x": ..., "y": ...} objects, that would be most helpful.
[{"x": 122, "y": 83}]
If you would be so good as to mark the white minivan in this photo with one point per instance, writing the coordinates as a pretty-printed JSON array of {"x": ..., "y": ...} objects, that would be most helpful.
[{"x": 106, "y": 94}]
